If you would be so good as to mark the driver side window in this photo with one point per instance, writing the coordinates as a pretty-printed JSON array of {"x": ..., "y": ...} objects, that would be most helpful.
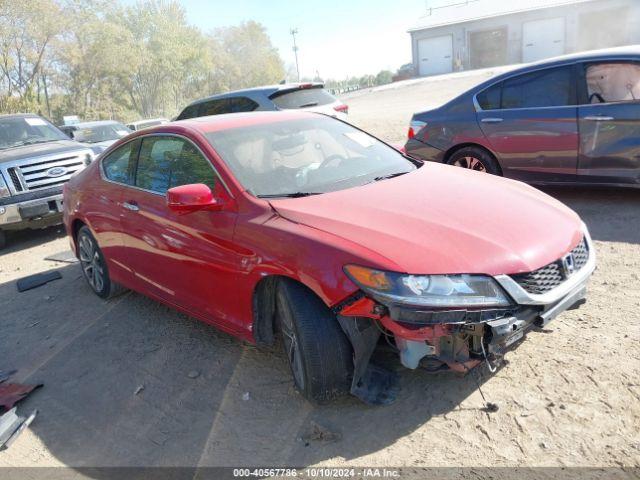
[
  {"x": 167, "y": 161},
  {"x": 612, "y": 82}
]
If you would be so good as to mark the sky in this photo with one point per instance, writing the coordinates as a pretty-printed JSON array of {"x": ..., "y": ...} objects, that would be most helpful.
[
  {"x": 342, "y": 38},
  {"x": 336, "y": 38}
]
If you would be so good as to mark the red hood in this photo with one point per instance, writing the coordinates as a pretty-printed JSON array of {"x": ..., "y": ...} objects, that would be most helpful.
[{"x": 441, "y": 219}]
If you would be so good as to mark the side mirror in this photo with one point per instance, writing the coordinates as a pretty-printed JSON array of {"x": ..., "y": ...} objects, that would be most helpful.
[{"x": 190, "y": 198}]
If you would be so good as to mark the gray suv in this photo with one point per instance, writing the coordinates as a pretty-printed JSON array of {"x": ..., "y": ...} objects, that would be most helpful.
[{"x": 36, "y": 159}]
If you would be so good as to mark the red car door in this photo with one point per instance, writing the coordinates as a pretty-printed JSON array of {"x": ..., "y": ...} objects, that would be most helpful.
[
  {"x": 104, "y": 207},
  {"x": 181, "y": 258}
]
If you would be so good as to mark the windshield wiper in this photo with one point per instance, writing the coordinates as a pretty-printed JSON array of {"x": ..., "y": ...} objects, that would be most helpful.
[
  {"x": 310, "y": 104},
  {"x": 391, "y": 175},
  {"x": 290, "y": 195}
]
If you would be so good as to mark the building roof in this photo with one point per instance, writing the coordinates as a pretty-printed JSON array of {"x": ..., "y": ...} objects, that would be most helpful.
[{"x": 452, "y": 12}]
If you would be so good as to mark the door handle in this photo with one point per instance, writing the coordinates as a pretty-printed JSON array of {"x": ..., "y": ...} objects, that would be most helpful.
[
  {"x": 131, "y": 206},
  {"x": 598, "y": 118},
  {"x": 491, "y": 120}
]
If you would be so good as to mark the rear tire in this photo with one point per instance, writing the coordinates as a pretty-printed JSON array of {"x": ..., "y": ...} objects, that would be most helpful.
[
  {"x": 318, "y": 351},
  {"x": 3, "y": 239},
  {"x": 474, "y": 158},
  {"x": 94, "y": 267}
]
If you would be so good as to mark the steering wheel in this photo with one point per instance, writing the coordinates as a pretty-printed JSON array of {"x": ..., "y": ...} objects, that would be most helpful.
[
  {"x": 596, "y": 95},
  {"x": 331, "y": 159}
]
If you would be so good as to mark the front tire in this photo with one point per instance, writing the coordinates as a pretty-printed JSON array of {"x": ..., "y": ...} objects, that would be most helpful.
[
  {"x": 318, "y": 351},
  {"x": 474, "y": 158},
  {"x": 94, "y": 267}
]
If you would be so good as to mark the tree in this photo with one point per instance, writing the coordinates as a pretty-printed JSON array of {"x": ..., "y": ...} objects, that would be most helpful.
[
  {"x": 94, "y": 59},
  {"x": 171, "y": 54},
  {"x": 27, "y": 28},
  {"x": 247, "y": 56},
  {"x": 383, "y": 77}
]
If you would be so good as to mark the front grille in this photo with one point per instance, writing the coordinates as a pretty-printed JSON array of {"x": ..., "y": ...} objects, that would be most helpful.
[
  {"x": 15, "y": 179},
  {"x": 550, "y": 276},
  {"x": 37, "y": 174}
]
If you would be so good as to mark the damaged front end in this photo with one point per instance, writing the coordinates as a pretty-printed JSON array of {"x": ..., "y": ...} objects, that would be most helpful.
[{"x": 443, "y": 322}]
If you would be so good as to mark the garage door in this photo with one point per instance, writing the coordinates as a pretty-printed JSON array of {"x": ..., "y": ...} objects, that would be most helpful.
[
  {"x": 542, "y": 39},
  {"x": 435, "y": 55}
]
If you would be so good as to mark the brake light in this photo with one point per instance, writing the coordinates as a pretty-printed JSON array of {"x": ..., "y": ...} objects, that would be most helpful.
[
  {"x": 342, "y": 108},
  {"x": 414, "y": 127}
]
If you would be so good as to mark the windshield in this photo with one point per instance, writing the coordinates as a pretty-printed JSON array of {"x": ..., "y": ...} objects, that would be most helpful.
[
  {"x": 19, "y": 131},
  {"x": 100, "y": 133},
  {"x": 305, "y": 156},
  {"x": 302, "y": 98}
]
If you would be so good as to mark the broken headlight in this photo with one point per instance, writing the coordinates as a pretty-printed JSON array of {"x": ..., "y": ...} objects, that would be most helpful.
[{"x": 438, "y": 291}]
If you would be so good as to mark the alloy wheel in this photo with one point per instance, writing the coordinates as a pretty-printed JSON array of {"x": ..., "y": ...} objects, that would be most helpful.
[
  {"x": 91, "y": 262},
  {"x": 471, "y": 163}
]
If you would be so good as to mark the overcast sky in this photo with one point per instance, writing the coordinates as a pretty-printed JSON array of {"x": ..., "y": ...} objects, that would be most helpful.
[{"x": 338, "y": 38}]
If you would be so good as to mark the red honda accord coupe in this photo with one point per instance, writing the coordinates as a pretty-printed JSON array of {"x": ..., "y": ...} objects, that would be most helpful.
[{"x": 298, "y": 226}]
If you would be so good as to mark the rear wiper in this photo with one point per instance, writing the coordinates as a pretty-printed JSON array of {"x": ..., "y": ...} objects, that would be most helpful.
[
  {"x": 289, "y": 195},
  {"x": 310, "y": 104},
  {"x": 391, "y": 175}
]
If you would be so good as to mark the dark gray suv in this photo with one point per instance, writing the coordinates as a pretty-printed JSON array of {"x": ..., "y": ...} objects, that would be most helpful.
[
  {"x": 36, "y": 160},
  {"x": 573, "y": 119}
]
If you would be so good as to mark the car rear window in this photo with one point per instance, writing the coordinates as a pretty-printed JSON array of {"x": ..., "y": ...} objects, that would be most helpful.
[{"x": 302, "y": 97}]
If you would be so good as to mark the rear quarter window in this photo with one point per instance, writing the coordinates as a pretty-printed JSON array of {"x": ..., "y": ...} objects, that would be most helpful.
[
  {"x": 489, "y": 99},
  {"x": 301, "y": 98}
]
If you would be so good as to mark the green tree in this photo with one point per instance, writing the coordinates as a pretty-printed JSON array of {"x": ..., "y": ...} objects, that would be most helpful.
[
  {"x": 383, "y": 77},
  {"x": 27, "y": 28},
  {"x": 247, "y": 57}
]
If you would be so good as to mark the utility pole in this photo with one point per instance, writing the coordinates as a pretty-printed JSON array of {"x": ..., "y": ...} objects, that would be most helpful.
[{"x": 293, "y": 32}]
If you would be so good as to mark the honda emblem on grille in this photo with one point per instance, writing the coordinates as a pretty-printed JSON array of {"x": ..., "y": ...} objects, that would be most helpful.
[
  {"x": 568, "y": 263},
  {"x": 56, "y": 172}
]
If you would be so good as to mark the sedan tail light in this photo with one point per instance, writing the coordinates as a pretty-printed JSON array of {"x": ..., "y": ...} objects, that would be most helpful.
[
  {"x": 342, "y": 108},
  {"x": 414, "y": 127}
]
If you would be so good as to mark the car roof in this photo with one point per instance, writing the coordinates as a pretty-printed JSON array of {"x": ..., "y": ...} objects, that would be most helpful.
[
  {"x": 19, "y": 115},
  {"x": 228, "y": 121},
  {"x": 616, "y": 53},
  {"x": 138, "y": 122},
  {"x": 267, "y": 90},
  {"x": 96, "y": 123}
]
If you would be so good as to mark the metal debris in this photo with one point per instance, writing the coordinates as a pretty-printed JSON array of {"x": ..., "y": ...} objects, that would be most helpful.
[
  {"x": 12, "y": 425},
  {"x": 12, "y": 393}
]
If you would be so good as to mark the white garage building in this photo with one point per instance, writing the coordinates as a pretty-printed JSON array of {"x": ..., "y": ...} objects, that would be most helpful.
[{"x": 468, "y": 34}]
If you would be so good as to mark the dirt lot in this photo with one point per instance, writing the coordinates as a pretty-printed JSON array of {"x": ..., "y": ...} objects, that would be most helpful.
[{"x": 130, "y": 382}]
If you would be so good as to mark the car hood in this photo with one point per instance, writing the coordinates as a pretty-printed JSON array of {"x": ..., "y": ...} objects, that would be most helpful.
[
  {"x": 39, "y": 149},
  {"x": 442, "y": 219}
]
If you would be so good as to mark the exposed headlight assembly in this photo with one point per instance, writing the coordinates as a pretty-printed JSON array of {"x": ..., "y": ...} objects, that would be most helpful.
[
  {"x": 4, "y": 189},
  {"x": 437, "y": 291}
]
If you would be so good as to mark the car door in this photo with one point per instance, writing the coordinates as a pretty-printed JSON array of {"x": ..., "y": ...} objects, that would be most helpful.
[
  {"x": 533, "y": 128},
  {"x": 181, "y": 258},
  {"x": 609, "y": 122},
  {"x": 105, "y": 214}
]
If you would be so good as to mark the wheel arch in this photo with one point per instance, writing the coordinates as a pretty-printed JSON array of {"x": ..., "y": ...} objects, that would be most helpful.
[
  {"x": 76, "y": 225},
  {"x": 263, "y": 303},
  {"x": 449, "y": 153}
]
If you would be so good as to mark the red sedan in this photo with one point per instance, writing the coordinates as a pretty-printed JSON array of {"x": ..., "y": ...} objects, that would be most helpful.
[{"x": 300, "y": 226}]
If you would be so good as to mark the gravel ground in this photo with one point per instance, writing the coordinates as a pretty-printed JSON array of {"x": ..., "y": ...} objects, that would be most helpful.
[{"x": 130, "y": 382}]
